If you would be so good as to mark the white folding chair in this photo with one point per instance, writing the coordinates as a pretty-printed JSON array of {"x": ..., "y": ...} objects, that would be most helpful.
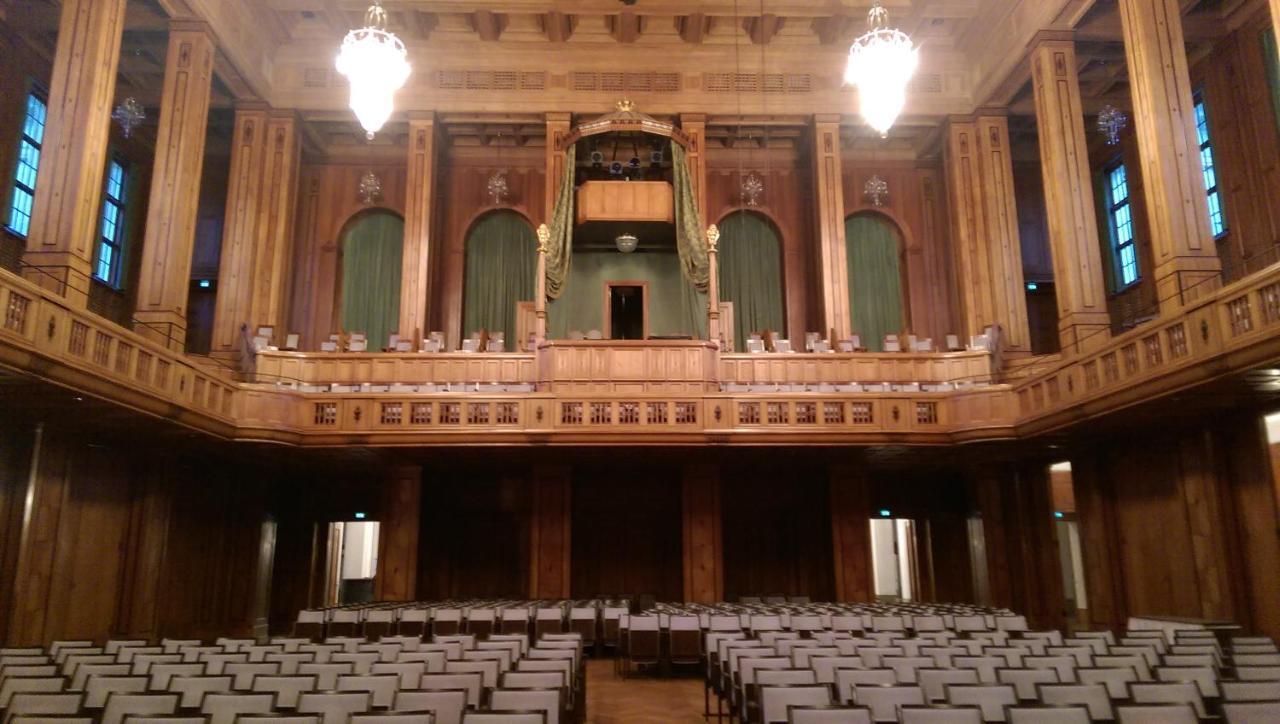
[
  {"x": 334, "y": 707},
  {"x": 1025, "y": 681},
  {"x": 940, "y": 715},
  {"x": 991, "y": 699},
  {"x": 447, "y": 706},
  {"x": 1094, "y": 697},
  {"x": 224, "y": 708},
  {"x": 193, "y": 689},
  {"x": 29, "y": 684},
  {"x": 30, "y": 703},
  {"x": 1253, "y": 712},
  {"x": 120, "y": 705},
  {"x": 287, "y": 688},
  {"x": 326, "y": 674},
  {"x": 382, "y": 688},
  {"x": 1147, "y": 692},
  {"x": 829, "y": 715},
  {"x": 162, "y": 674},
  {"x": 1116, "y": 680},
  {"x": 776, "y": 699},
  {"x": 1156, "y": 714},
  {"x": 934, "y": 682},
  {"x": 1250, "y": 690},
  {"x": 472, "y": 683},
  {"x": 884, "y": 701},
  {"x": 1028, "y": 714},
  {"x": 98, "y": 688},
  {"x": 547, "y": 701},
  {"x": 243, "y": 672}
]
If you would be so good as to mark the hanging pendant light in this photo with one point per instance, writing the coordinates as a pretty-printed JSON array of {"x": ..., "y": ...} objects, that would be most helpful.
[
  {"x": 376, "y": 64},
  {"x": 881, "y": 63}
]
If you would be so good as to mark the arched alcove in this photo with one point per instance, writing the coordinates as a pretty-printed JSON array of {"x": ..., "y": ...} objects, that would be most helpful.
[
  {"x": 877, "y": 299},
  {"x": 372, "y": 246},
  {"x": 750, "y": 265},
  {"x": 501, "y": 261}
]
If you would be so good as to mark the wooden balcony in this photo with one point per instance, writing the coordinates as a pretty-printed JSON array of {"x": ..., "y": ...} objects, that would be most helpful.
[{"x": 651, "y": 392}]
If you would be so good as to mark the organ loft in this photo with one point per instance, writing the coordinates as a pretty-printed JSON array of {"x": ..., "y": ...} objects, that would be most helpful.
[{"x": 535, "y": 361}]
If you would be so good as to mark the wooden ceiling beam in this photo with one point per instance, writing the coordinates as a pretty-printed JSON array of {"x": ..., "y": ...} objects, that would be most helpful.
[
  {"x": 625, "y": 27},
  {"x": 693, "y": 28},
  {"x": 558, "y": 26},
  {"x": 488, "y": 24},
  {"x": 762, "y": 28},
  {"x": 834, "y": 30}
]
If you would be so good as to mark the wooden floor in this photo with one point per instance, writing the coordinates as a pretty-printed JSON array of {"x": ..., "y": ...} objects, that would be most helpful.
[{"x": 641, "y": 699}]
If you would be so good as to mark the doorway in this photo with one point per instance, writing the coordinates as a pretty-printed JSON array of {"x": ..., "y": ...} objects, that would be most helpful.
[
  {"x": 628, "y": 307},
  {"x": 894, "y": 559},
  {"x": 352, "y": 561}
]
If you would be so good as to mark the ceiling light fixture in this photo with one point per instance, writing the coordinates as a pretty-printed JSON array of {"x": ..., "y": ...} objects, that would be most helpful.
[
  {"x": 376, "y": 65},
  {"x": 626, "y": 243},
  {"x": 881, "y": 63}
]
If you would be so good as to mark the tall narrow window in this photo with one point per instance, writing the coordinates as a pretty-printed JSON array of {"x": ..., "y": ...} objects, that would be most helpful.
[
  {"x": 1217, "y": 220},
  {"x": 24, "y": 187},
  {"x": 112, "y": 230},
  {"x": 1121, "y": 216}
]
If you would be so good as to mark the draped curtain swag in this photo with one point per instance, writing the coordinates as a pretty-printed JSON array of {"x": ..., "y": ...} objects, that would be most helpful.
[
  {"x": 560, "y": 246},
  {"x": 501, "y": 263},
  {"x": 691, "y": 241}
]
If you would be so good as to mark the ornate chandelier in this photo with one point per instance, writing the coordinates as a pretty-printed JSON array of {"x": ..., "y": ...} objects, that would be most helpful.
[
  {"x": 129, "y": 114},
  {"x": 375, "y": 63},
  {"x": 1111, "y": 121},
  {"x": 881, "y": 63}
]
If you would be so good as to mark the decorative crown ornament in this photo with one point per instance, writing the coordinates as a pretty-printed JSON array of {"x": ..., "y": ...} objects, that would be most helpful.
[
  {"x": 752, "y": 189},
  {"x": 370, "y": 189},
  {"x": 876, "y": 191},
  {"x": 544, "y": 237},
  {"x": 713, "y": 237}
]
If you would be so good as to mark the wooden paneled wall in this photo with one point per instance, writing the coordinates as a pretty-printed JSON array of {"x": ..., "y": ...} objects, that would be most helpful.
[
  {"x": 787, "y": 202},
  {"x": 1021, "y": 544},
  {"x": 627, "y": 532},
  {"x": 327, "y": 200},
  {"x": 462, "y": 198},
  {"x": 777, "y": 531},
  {"x": 1182, "y": 523},
  {"x": 475, "y": 535},
  {"x": 104, "y": 542},
  {"x": 1246, "y": 141},
  {"x": 917, "y": 204}
]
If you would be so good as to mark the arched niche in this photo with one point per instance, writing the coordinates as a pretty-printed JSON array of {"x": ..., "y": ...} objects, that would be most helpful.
[
  {"x": 875, "y": 257},
  {"x": 751, "y": 274},
  {"x": 370, "y": 249},
  {"x": 500, "y": 263}
]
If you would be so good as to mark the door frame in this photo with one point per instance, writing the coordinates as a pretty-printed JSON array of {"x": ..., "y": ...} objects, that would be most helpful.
[{"x": 608, "y": 299}]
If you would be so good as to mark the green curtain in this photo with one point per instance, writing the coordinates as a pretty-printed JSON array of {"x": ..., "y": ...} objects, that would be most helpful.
[
  {"x": 691, "y": 240},
  {"x": 501, "y": 263},
  {"x": 875, "y": 284},
  {"x": 751, "y": 275},
  {"x": 560, "y": 246},
  {"x": 1271, "y": 59},
  {"x": 371, "y": 253},
  {"x": 675, "y": 307}
]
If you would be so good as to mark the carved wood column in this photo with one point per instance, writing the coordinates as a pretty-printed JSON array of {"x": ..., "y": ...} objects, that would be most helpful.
[
  {"x": 851, "y": 532},
  {"x": 240, "y": 230},
  {"x": 984, "y": 221},
  {"x": 1187, "y": 263},
  {"x": 274, "y": 253},
  {"x": 968, "y": 224},
  {"x": 694, "y": 126},
  {"x": 415, "y": 275},
  {"x": 550, "y": 532},
  {"x": 175, "y": 185},
  {"x": 558, "y": 125},
  {"x": 1004, "y": 243},
  {"x": 1078, "y": 279},
  {"x": 703, "y": 544},
  {"x": 68, "y": 195},
  {"x": 829, "y": 193},
  {"x": 400, "y": 518}
]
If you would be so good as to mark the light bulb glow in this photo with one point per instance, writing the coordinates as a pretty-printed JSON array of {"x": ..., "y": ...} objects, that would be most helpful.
[
  {"x": 881, "y": 64},
  {"x": 376, "y": 65}
]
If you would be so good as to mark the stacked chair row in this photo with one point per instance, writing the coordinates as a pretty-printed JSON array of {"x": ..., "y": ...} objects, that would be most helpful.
[
  {"x": 1006, "y": 673},
  {"x": 343, "y": 680},
  {"x": 478, "y": 617}
]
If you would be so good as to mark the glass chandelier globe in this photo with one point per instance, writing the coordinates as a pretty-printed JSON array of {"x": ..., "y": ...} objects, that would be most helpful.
[
  {"x": 881, "y": 63},
  {"x": 376, "y": 65}
]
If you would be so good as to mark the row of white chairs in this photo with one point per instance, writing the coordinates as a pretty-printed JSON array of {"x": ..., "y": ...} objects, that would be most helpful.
[
  {"x": 449, "y": 677},
  {"x": 757, "y": 678}
]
